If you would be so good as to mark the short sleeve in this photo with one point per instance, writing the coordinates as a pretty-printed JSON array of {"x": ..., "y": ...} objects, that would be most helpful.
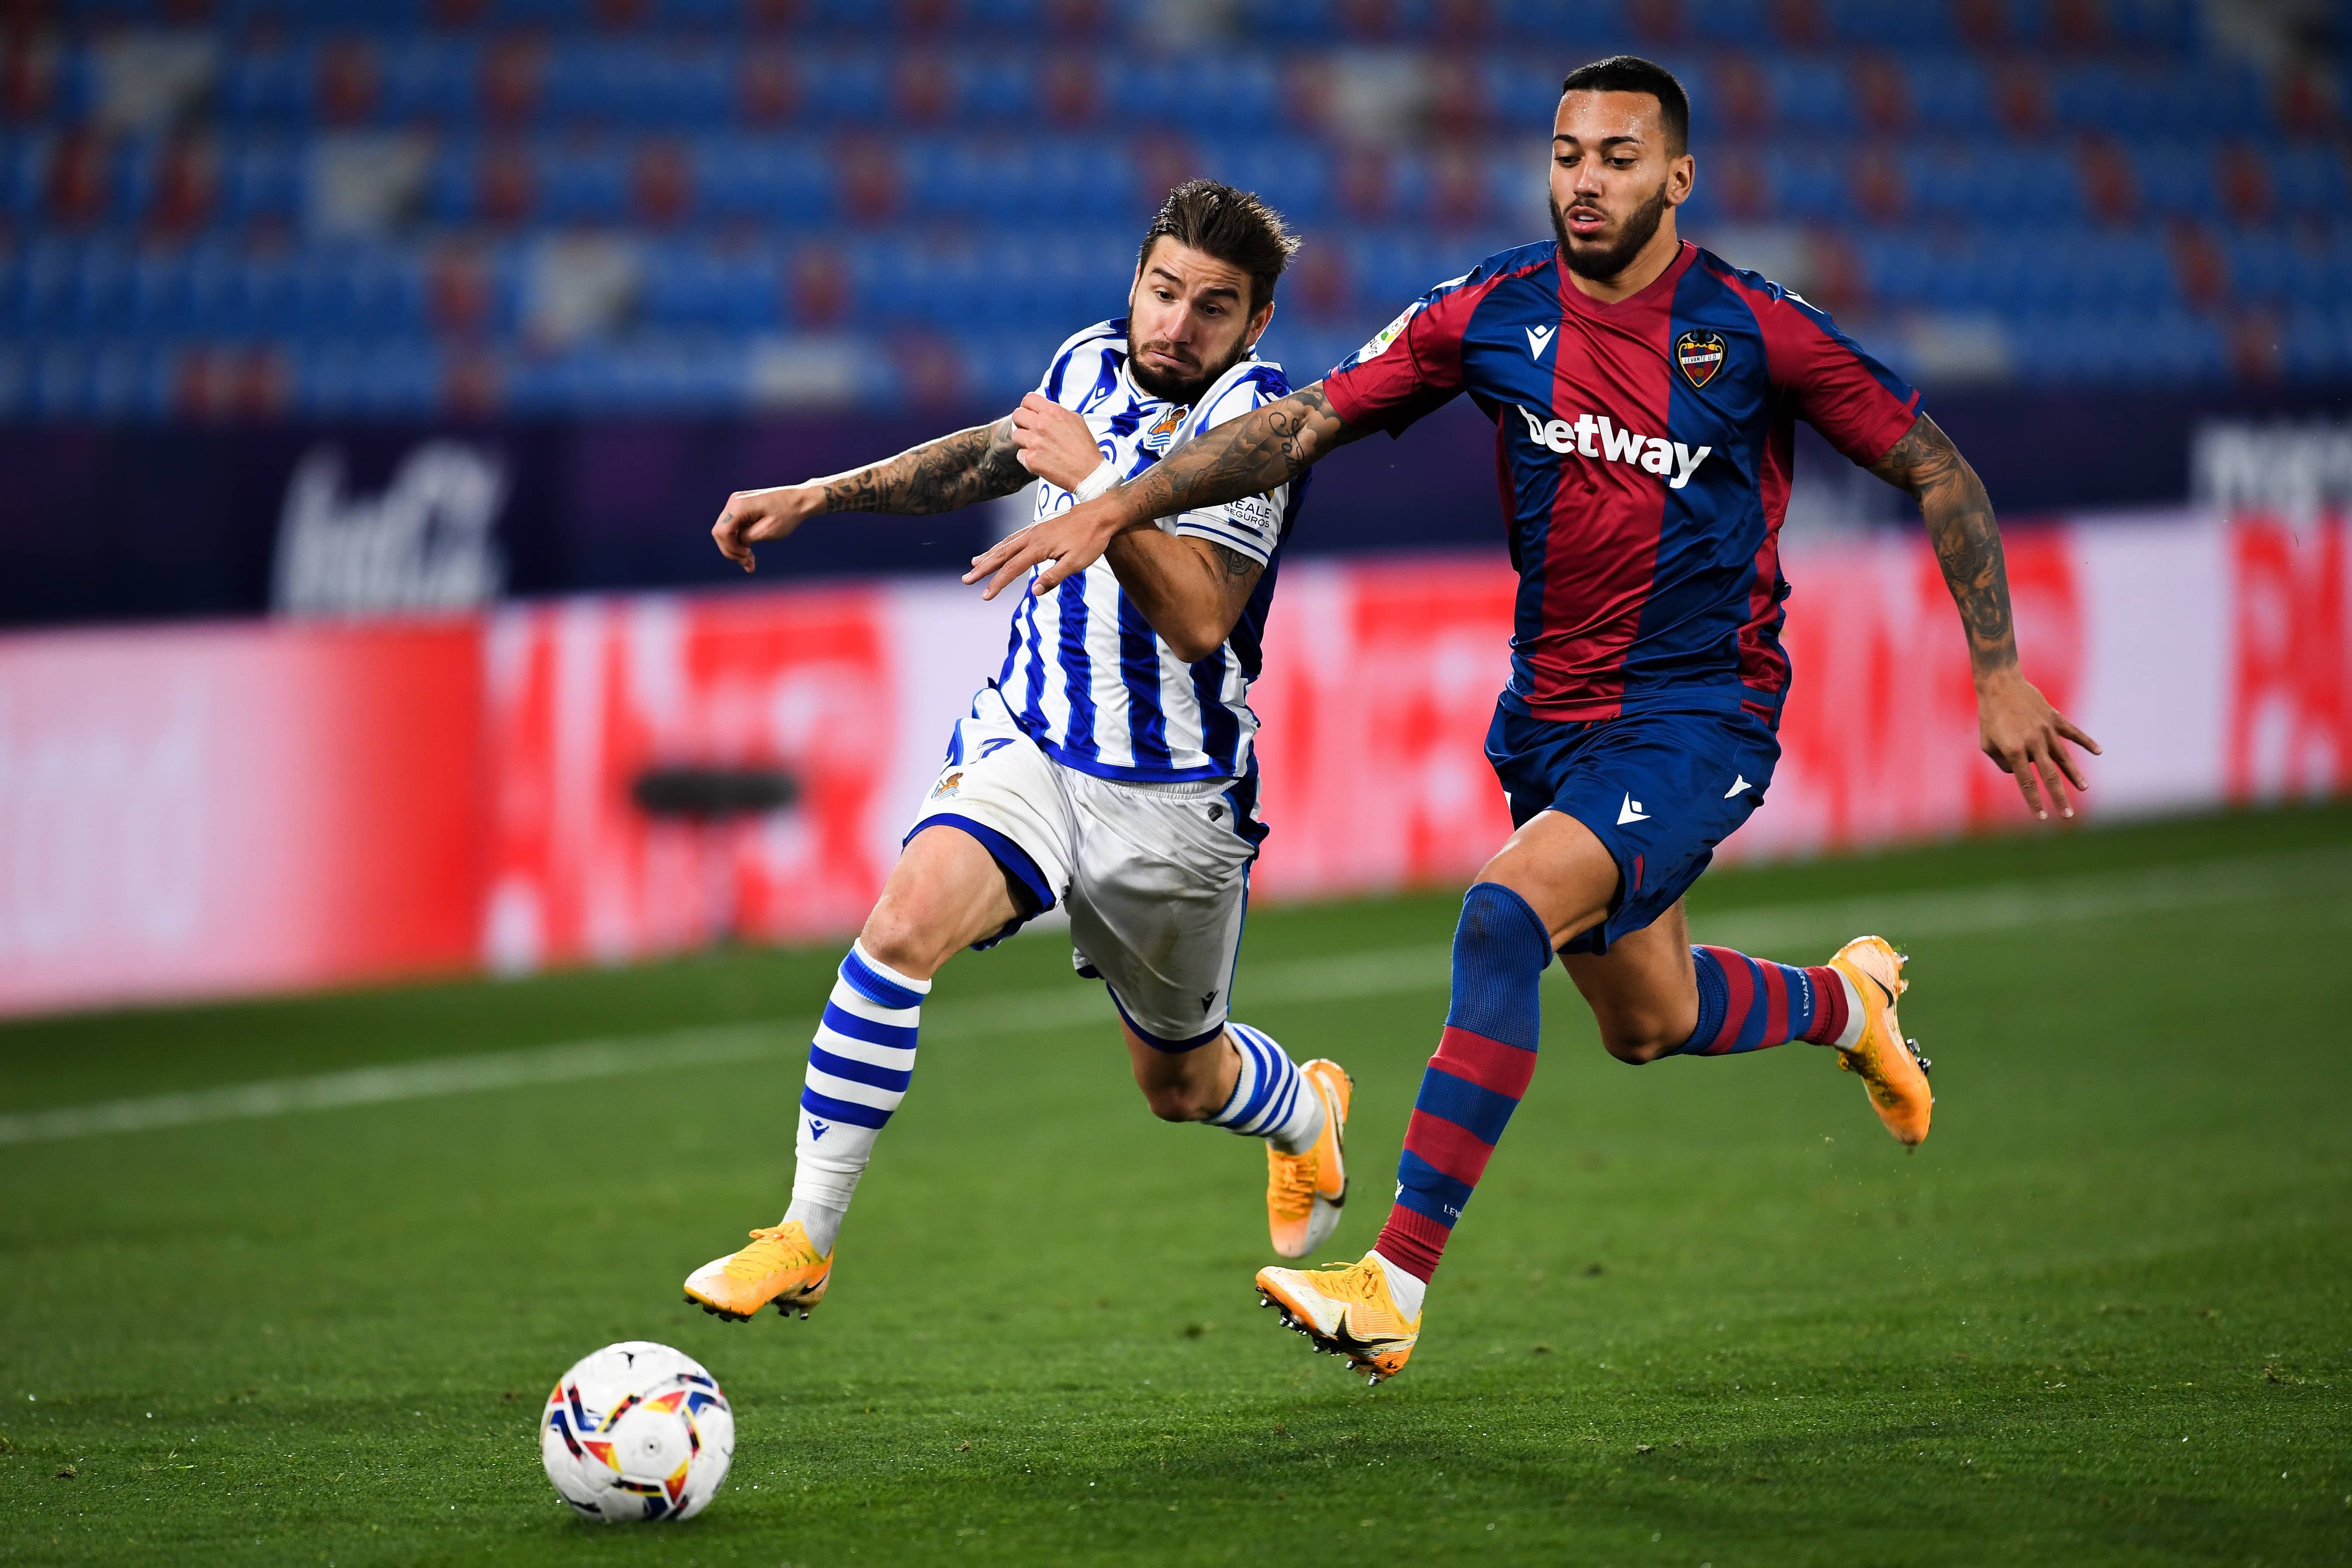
[
  {"x": 1083, "y": 368},
  {"x": 1858, "y": 405},
  {"x": 1251, "y": 526},
  {"x": 1412, "y": 367}
]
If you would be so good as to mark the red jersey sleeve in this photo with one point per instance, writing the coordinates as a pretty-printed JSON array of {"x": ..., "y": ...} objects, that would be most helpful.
[
  {"x": 1859, "y": 405},
  {"x": 1414, "y": 365}
]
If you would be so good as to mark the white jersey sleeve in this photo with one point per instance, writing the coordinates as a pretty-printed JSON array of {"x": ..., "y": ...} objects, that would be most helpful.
[{"x": 1253, "y": 525}]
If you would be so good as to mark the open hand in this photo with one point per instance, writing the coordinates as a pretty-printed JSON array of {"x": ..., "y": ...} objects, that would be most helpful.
[
  {"x": 754, "y": 516},
  {"x": 2027, "y": 739},
  {"x": 1054, "y": 443},
  {"x": 1060, "y": 547}
]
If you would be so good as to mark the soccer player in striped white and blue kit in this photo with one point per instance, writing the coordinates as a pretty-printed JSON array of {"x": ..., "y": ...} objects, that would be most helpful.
[{"x": 1109, "y": 768}]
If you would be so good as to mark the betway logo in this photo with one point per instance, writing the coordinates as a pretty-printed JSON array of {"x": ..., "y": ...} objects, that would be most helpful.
[{"x": 1591, "y": 436}]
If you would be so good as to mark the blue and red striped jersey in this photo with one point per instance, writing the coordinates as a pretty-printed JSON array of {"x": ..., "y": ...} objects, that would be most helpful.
[{"x": 1643, "y": 451}]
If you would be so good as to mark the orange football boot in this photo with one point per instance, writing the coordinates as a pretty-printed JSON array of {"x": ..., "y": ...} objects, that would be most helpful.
[
  {"x": 1346, "y": 1310},
  {"x": 1303, "y": 1192},
  {"x": 781, "y": 1265},
  {"x": 1891, "y": 1067}
]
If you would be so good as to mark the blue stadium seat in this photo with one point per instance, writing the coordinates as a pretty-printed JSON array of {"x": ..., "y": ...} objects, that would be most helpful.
[
  {"x": 1874, "y": 22},
  {"x": 583, "y": 184},
  {"x": 2307, "y": 181},
  {"x": 1811, "y": 93},
  {"x": 1745, "y": 23},
  {"x": 431, "y": 78},
  {"x": 2315, "y": 345},
  {"x": 260, "y": 181},
  {"x": 847, "y": 87},
  {"x": 1949, "y": 94}
]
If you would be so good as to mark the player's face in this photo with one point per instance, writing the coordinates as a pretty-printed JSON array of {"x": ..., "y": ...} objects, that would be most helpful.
[
  {"x": 1188, "y": 321},
  {"x": 1612, "y": 183}
]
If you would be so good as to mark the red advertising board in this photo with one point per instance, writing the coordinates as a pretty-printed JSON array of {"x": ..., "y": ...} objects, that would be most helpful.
[{"x": 269, "y": 806}]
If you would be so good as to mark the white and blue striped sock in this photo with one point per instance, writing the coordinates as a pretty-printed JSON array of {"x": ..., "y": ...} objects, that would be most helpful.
[
  {"x": 1272, "y": 1100},
  {"x": 858, "y": 1068}
]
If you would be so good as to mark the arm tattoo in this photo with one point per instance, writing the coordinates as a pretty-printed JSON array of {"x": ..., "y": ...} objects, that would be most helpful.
[
  {"x": 1265, "y": 447},
  {"x": 1238, "y": 567},
  {"x": 1966, "y": 539},
  {"x": 975, "y": 465}
]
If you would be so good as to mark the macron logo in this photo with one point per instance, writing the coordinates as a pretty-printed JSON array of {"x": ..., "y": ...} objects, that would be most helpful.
[
  {"x": 1631, "y": 812},
  {"x": 1593, "y": 436},
  {"x": 818, "y": 1129},
  {"x": 1538, "y": 338}
]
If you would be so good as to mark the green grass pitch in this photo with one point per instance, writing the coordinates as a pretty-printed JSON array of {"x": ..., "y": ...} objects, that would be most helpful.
[{"x": 1702, "y": 1313}]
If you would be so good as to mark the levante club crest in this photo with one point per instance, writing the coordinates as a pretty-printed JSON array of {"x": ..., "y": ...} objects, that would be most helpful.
[{"x": 1700, "y": 355}]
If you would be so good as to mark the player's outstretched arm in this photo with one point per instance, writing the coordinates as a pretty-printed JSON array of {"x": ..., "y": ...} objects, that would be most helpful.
[
  {"x": 2016, "y": 724},
  {"x": 970, "y": 466},
  {"x": 1244, "y": 457}
]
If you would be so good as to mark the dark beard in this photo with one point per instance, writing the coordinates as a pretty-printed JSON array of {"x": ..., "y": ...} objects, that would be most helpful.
[
  {"x": 1185, "y": 391},
  {"x": 1601, "y": 266}
]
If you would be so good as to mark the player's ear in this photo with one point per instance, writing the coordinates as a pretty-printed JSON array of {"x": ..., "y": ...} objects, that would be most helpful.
[
  {"x": 1682, "y": 175},
  {"x": 1256, "y": 328}
]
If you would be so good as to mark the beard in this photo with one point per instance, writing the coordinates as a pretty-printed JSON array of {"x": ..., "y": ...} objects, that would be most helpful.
[
  {"x": 1602, "y": 261},
  {"x": 1182, "y": 390}
]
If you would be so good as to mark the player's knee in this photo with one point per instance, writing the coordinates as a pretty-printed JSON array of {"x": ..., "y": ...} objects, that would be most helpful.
[
  {"x": 896, "y": 938},
  {"x": 1634, "y": 1044},
  {"x": 1177, "y": 1102}
]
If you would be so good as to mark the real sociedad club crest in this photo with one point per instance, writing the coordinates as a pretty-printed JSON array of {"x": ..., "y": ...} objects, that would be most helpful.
[
  {"x": 1163, "y": 431},
  {"x": 1700, "y": 355}
]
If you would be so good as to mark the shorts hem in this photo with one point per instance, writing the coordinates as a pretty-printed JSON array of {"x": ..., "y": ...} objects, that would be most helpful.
[
  {"x": 1016, "y": 861},
  {"x": 1595, "y": 939},
  {"x": 1159, "y": 1043}
]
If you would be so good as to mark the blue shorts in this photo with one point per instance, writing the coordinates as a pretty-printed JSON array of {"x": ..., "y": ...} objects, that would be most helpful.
[{"x": 1659, "y": 790}]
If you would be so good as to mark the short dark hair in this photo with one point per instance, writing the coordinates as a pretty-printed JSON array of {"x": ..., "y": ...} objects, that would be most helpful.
[
  {"x": 1632, "y": 73},
  {"x": 1233, "y": 225}
]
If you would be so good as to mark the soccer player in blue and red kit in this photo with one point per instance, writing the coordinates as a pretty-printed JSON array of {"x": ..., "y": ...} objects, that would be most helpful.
[{"x": 1643, "y": 393}]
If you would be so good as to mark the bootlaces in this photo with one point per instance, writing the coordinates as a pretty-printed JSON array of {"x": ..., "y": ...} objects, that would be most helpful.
[
  {"x": 1293, "y": 1183},
  {"x": 749, "y": 1264}
]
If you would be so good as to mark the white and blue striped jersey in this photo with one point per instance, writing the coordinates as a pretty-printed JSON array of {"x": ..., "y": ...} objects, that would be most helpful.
[{"x": 1086, "y": 677}]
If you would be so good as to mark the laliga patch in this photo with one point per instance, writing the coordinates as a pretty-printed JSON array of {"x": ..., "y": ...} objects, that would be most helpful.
[
  {"x": 1163, "y": 431},
  {"x": 1388, "y": 334},
  {"x": 1699, "y": 354}
]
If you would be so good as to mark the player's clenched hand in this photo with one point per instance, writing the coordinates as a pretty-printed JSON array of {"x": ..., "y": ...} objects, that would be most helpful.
[
  {"x": 1052, "y": 442},
  {"x": 1059, "y": 547},
  {"x": 754, "y": 516},
  {"x": 2027, "y": 737}
]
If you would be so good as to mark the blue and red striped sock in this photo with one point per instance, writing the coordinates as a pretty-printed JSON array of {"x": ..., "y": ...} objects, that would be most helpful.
[
  {"x": 1474, "y": 1081},
  {"x": 1746, "y": 1004}
]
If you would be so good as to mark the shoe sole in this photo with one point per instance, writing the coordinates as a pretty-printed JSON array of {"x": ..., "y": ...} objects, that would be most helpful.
[
  {"x": 785, "y": 1305},
  {"x": 1359, "y": 1355}
]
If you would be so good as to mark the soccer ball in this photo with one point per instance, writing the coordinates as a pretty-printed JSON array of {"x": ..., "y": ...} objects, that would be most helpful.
[{"x": 638, "y": 1431}]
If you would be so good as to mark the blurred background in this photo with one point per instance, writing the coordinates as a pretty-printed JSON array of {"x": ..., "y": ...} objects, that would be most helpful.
[{"x": 407, "y": 347}]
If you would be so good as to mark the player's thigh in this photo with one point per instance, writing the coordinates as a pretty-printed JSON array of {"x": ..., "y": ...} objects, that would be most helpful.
[
  {"x": 1565, "y": 873},
  {"x": 1157, "y": 903},
  {"x": 1644, "y": 992},
  {"x": 990, "y": 847},
  {"x": 947, "y": 892}
]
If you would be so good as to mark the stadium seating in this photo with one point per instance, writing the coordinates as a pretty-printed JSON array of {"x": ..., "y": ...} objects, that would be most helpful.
[{"x": 363, "y": 208}]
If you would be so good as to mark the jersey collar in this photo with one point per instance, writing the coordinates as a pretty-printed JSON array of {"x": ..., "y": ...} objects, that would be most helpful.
[{"x": 1577, "y": 299}]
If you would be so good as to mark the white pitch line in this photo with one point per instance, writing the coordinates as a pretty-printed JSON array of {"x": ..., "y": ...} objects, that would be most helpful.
[{"x": 1994, "y": 908}]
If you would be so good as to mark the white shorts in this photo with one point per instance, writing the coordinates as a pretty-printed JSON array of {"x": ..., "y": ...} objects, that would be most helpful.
[{"x": 1155, "y": 876}]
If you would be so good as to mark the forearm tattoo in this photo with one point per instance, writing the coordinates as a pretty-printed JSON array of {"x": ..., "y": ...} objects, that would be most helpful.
[
  {"x": 1966, "y": 539},
  {"x": 1263, "y": 448},
  {"x": 975, "y": 465}
]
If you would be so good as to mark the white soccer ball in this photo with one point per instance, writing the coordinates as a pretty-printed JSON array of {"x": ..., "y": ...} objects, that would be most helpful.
[{"x": 638, "y": 1431}]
